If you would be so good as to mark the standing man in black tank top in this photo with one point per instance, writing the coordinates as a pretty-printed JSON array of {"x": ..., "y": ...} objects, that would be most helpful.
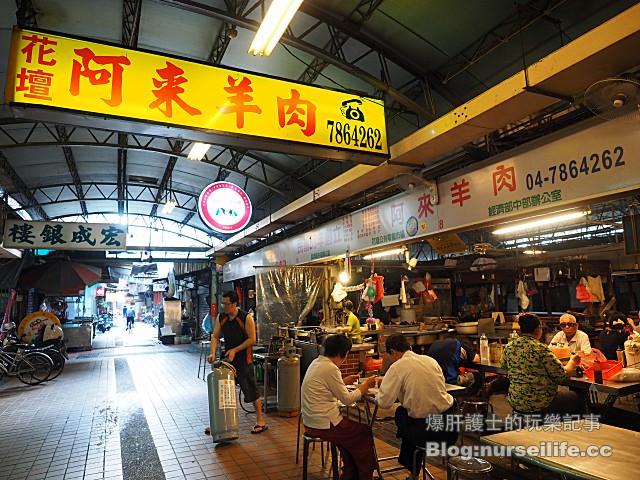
[{"x": 239, "y": 332}]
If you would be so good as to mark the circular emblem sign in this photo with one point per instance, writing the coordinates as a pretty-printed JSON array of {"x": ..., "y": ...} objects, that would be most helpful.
[{"x": 224, "y": 207}]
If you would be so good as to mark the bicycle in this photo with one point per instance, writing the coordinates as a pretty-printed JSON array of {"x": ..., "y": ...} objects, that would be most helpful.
[
  {"x": 31, "y": 368},
  {"x": 55, "y": 349}
]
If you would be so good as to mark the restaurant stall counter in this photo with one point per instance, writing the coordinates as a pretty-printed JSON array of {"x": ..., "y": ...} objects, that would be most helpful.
[{"x": 78, "y": 333}]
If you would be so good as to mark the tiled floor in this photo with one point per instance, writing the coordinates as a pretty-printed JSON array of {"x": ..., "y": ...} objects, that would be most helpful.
[{"x": 133, "y": 409}]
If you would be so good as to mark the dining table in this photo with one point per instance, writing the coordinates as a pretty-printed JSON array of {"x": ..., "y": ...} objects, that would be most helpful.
[
  {"x": 576, "y": 449},
  {"x": 588, "y": 387}
]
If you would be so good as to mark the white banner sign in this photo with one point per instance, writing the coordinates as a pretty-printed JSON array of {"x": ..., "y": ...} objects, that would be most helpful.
[
  {"x": 64, "y": 235},
  {"x": 598, "y": 161}
]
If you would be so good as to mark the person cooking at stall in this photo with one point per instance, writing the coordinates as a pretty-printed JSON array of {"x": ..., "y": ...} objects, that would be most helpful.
[
  {"x": 570, "y": 335},
  {"x": 352, "y": 324}
]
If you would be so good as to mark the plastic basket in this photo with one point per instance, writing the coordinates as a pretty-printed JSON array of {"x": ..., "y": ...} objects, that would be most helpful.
[{"x": 609, "y": 369}]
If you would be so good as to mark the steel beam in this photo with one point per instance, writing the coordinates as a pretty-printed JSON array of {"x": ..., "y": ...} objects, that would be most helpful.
[
  {"x": 73, "y": 168},
  {"x": 21, "y": 189}
]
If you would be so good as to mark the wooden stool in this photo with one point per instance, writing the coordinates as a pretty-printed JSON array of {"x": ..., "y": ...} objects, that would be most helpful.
[{"x": 467, "y": 465}]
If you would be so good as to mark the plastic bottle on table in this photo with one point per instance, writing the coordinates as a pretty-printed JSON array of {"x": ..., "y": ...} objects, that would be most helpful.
[
  {"x": 597, "y": 372},
  {"x": 484, "y": 349}
]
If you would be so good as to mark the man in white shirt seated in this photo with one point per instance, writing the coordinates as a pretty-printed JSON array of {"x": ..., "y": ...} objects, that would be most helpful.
[
  {"x": 417, "y": 382},
  {"x": 571, "y": 336},
  {"x": 322, "y": 387}
]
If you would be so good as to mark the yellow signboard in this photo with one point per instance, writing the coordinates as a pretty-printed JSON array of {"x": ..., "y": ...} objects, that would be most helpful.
[
  {"x": 447, "y": 243},
  {"x": 56, "y": 71}
]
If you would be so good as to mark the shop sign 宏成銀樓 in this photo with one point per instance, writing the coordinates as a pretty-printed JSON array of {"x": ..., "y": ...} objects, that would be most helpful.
[{"x": 64, "y": 235}]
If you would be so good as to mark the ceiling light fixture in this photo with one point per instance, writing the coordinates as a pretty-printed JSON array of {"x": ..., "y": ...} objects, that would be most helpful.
[
  {"x": 273, "y": 26},
  {"x": 534, "y": 252},
  {"x": 169, "y": 206},
  {"x": 384, "y": 253},
  {"x": 171, "y": 201},
  {"x": 541, "y": 222},
  {"x": 198, "y": 151}
]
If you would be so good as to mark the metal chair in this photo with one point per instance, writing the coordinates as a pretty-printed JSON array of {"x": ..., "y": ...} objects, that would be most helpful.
[
  {"x": 306, "y": 441},
  {"x": 475, "y": 406},
  {"x": 467, "y": 465},
  {"x": 205, "y": 347}
]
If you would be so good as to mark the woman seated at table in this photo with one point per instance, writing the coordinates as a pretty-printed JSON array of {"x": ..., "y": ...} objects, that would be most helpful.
[
  {"x": 535, "y": 373},
  {"x": 322, "y": 387},
  {"x": 614, "y": 336}
]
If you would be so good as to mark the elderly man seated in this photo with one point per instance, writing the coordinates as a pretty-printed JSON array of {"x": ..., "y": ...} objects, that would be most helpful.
[
  {"x": 535, "y": 373},
  {"x": 570, "y": 335}
]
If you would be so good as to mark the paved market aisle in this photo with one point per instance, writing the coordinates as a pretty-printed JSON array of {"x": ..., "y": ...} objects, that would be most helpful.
[{"x": 132, "y": 409}]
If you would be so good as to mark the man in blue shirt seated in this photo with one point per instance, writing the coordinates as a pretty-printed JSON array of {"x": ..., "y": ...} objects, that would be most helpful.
[{"x": 450, "y": 353}]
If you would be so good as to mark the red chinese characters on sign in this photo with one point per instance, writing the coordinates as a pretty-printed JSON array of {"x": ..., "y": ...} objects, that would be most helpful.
[
  {"x": 300, "y": 112},
  {"x": 37, "y": 82},
  {"x": 43, "y": 51},
  {"x": 460, "y": 192},
  {"x": 239, "y": 99},
  {"x": 425, "y": 205},
  {"x": 100, "y": 76},
  {"x": 504, "y": 178},
  {"x": 169, "y": 90}
]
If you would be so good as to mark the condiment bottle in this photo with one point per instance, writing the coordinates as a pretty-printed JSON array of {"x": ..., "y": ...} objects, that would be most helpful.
[
  {"x": 484, "y": 349},
  {"x": 597, "y": 372},
  {"x": 621, "y": 356}
]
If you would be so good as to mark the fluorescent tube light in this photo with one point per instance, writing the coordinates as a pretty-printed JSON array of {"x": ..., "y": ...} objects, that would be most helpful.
[
  {"x": 168, "y": 207},
  {"x": 273, "y": 26},
  {"x": 534, "y": 252},
  {"x": 384, "y": 253},
  {"x": 541, "y": 222},
  {"x": 198, "y": 151}
]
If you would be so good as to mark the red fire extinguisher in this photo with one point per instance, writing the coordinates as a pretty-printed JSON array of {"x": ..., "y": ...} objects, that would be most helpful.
[{"x": 214, "y": 310}]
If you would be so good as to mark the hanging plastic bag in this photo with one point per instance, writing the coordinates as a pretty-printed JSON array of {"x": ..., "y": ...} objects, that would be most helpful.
[
  {"x": 582, "y": 291},
  {"x": 207, "y": 326}
]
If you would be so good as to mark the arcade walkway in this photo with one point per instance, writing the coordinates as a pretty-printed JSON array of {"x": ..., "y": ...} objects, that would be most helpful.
[{"x": 133, "y": 409}]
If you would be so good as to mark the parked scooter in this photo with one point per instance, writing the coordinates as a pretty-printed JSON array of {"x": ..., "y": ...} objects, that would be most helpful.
[{"x": 104, "y": 322}]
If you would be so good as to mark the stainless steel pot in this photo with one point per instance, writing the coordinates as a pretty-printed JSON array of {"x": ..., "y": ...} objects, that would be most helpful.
[{"x": 467, "y": 328}]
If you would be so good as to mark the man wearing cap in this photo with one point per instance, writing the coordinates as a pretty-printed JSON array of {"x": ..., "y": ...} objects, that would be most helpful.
[{"x": 570, "y": 335}]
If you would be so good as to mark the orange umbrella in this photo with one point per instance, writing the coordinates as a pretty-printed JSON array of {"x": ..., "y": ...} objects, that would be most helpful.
[{"x": 60, "y": 277}]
